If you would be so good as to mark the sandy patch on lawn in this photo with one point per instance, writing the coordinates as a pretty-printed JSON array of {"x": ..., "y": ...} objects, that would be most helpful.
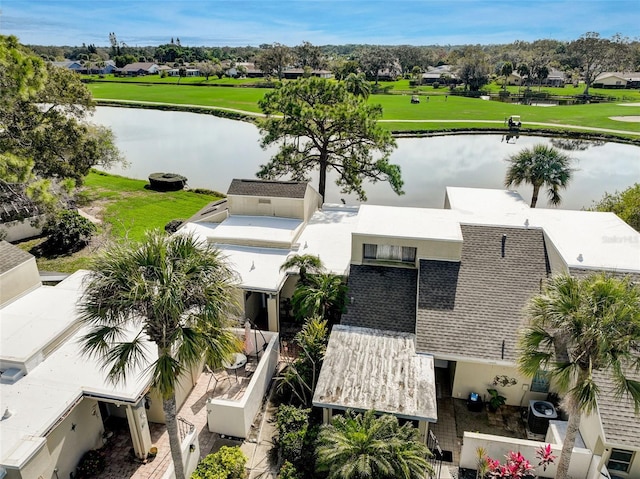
[
  {"x": 630, "y": 119},
  {"x": 628, "y": 104}
]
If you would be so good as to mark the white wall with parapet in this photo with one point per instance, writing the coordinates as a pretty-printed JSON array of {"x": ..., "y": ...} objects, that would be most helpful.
[
  {"x": 19, "y": 280},
  {"x": 433, "y": 249},
  {"x": 190, "y": 458},
  {"x": 19, "y": 230},
  {"x": 498, "y": 446},
  {"x": 234, "y": 418}
]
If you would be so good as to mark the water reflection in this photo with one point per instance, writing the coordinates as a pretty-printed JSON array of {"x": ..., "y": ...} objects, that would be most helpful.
[
  {"x": 572, "y": 144},
  {"x": 211, "y": 151}
]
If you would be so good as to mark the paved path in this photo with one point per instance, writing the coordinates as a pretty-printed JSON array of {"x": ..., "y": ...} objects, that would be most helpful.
[{"x": 495, "y": 122}]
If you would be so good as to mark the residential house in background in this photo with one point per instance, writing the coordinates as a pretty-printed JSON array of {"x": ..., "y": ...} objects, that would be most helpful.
[
  {"x": 19, "y": 215},
  {"x": 617, "y": 80},
  {"x": 137, "y": 69}
]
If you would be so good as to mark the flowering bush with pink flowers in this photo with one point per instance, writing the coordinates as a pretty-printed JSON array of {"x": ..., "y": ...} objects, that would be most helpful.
[{"x": 516, "y": 465}]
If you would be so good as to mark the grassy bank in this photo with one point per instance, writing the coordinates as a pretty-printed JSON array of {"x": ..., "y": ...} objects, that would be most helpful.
[
  {"x": 127, "y": 209},
  {"x": 397, "y": 108}
]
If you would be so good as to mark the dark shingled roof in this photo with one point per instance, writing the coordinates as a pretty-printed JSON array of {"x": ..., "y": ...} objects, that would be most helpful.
[
  {"x": 383, "y": 298},
  {"x": 620, "y": 423},
  {"x": 467, "y": 308},
  {"x": 15, "y": 204},
  {"x": 11, "y": 256},
  {"x": 266, "y": 188}
]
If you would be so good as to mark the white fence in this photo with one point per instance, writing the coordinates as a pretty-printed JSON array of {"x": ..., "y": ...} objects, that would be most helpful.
[
  {"x": 498, "y": 446},
  {"x": 234, "y": 418},
  {"x": 190, "y": 455}
]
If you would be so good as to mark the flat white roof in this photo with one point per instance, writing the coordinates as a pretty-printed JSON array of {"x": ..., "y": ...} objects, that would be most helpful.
[
  {"x": 328, "y": 236},
  {"x": 366, "y": 368},
  {"x": 40, "y": 398},
  {"x": 262, "y": 229},
  {"x": 258, "y": 268},
  {"x": 584, "y": 239},
  {"x": 29, "y": 326},
  {"x": 405, "y": 222}
]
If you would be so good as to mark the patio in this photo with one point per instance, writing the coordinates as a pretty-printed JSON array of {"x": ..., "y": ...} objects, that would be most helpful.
[
  {"x": 454, "y": 418},
  {"x": 120, "y": 460}
]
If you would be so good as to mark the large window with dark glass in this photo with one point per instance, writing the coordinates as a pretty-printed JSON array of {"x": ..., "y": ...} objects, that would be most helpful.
[{"x": 384, "y": 252}]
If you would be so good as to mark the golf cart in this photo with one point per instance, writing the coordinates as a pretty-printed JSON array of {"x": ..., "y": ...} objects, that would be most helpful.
[
  {"x": 415, "y": 99},
  {"x": 514, "y": 122}
]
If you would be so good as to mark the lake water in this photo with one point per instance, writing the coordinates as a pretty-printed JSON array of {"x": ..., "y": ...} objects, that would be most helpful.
[{"x": 211, "y": 151}]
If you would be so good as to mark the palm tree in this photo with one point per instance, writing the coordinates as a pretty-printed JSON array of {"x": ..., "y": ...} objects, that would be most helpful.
[
  {"x": 323, "y": 295},
  {"x": 358, "y": 85},
  {"x": 306, "y": 264},
  {"x": 540, "y": 166},
  {"x": 578, "y": 327},
  {"x": 358, "y": 446},
  {"x": 505, "y": 71},
  {"x": 178, "y": 294}
]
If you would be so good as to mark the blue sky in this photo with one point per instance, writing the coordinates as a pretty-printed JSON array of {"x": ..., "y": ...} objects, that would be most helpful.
[{"x": 246, "y": 22}]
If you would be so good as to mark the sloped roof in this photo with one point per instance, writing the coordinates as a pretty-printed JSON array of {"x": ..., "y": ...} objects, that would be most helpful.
[
  {"x": 11, "y": 256},
  {"x": 15, "y": 204},
  {"x": 620, "y": 423},
  {"x": 383, "y": 298},
  {"x": 367, "y": 368},
  {"x": 265, "y": 188},
  {"x": 138, "y": 66},
  {"x": 468, "y": 309}
]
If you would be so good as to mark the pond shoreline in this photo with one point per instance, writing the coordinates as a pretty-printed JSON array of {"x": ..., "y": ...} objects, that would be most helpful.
[{"x": 235, "y": 115}]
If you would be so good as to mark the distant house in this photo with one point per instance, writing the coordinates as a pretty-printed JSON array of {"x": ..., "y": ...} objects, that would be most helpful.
[
  {"x": 440, "y": 74},
  {"x": 617, "y": 80},
  {"x": 138, "y": 69},
  {"x": 189, "y": 72},
  {"x": 295, "y": 73},
  {"x": 19, "y": 215},
  {"x": 556, "y": 78},
  {"x": 250, "y": 70},
  {"x": 70, "y": 64}
]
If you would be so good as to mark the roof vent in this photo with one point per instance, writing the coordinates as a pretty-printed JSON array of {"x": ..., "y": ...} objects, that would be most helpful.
[
  {"x": 7, "y": 414},
  {"x": 580, "y": 258},
  {"x": 526, "y": 223},
  {"x": 11, "y": 375}
]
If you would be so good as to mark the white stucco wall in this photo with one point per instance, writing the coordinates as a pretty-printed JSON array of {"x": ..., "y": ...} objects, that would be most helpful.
[
  {"x": 19, "y": 280},
  {"x": 433, "y": 249},
  {"x": 64, "y": 445},
  {"x": 190, "y": 458},
  {"x": 234, "y": 418},
  {"x": 478, "y": 377},
  {"x": 19, "y": 230},
  {"x": 557, "y": 264},
  {"x": 497, "y": 447},
  {"x": 252, "y": 206}
]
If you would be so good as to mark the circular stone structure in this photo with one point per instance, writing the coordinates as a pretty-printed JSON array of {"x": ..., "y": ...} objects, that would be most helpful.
[{"x": 167, "y": 181}]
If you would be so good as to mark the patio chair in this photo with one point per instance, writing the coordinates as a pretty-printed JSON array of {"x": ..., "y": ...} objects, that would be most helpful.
[{"x": 217, "y": 375}]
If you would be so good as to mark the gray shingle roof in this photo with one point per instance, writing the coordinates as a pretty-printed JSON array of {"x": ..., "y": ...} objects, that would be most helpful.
[
  {"x": 383, "y": 298},
  {"x": 11, "y": 256},
  {"x": 15, "y": 204},
  {"x": 467, "y": 309},
  {"x": 620, "y": 423},
  {"x": 274, "y": 189}
]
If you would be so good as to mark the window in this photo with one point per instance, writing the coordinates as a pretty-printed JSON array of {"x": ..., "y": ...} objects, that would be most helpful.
[
  {"x": 383, "y": 252},
  {"x": 620, "y": 460},
  {"x": 540, "y": 382}
]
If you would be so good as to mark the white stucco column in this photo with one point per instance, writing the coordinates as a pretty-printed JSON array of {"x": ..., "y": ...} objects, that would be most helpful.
[
  {"x": 139, "y": 429},
  {"x": 273, "y": 311},
  {"x": 423, "y": 430}
]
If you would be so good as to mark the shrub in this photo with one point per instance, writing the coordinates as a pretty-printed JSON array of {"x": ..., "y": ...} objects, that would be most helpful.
[
  {"x": 167, "y": 181},
  {"x": 91, "y": 464},
  {"x": 173, "y": 225},
  {"x": 292, "y": 424},
  {"x": 227, "y": 463},
  {"x": 436, "y": 85},
  {"x": 67, "y": 232},
  {"x": 288, "y": 471}
]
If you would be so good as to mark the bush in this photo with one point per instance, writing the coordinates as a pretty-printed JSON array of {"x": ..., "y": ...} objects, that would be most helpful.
[
  {"x": 288, "y": 471},
  {"x": 91, "y": 464},
  {"x": 67, "y": 232},
  {"x": 227, "y": 463},
  {"x": 167, "y": 181},
  {"x": 436, "y": 85},
  {"x": 173, "y": 225}
]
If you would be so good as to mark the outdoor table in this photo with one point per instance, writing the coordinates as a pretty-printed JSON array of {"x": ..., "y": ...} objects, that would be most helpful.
[{"x": 236, "y": 361}]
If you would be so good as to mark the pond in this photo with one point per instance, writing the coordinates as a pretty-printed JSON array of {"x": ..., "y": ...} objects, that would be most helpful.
[{"x": 211, "y": 151}]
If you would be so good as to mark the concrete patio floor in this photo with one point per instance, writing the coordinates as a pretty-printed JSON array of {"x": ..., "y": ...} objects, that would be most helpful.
[{"x": 121, "y": 464}]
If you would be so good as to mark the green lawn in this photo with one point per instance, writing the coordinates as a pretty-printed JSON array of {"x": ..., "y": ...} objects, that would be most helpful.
[
  {"x": 130, "y": 209},
  {"x": 396, "y": 106},
  {"x": 127, "y": 210}
]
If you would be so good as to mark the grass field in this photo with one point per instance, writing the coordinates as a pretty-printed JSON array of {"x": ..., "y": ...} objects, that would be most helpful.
[
  {"x": 396, "y": 107},
  {"x": 127, "y": 210}
]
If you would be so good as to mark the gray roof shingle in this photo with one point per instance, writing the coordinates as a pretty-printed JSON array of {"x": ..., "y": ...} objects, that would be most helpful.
[
  {"x": 383, "y": 298},
  {"x": 620, "y": 423},
  {"x": 274, "y": 189},
  {"x": 468, "y": 309},
  {"x": 11, "y": 256}
]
